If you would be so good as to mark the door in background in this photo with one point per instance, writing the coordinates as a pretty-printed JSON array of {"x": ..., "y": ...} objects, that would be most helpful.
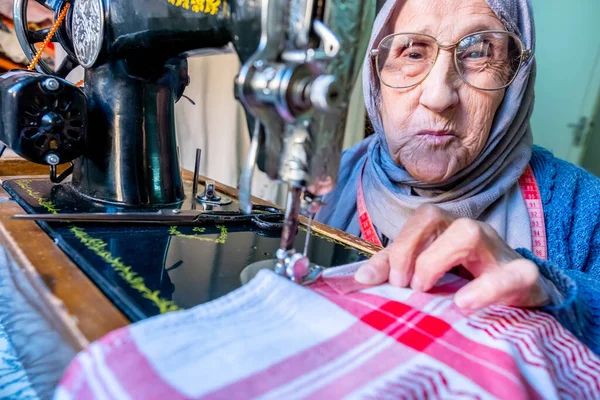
[
  {"x": 591, "y": 154},
  {"x": 568, "y": 74}
]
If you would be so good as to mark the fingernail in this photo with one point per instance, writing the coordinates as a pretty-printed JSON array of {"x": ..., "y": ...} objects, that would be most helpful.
[
  {"x": 365, "y": 274},
  {"x": 465, "y": 300},
  {"x": 417, "y": 284},
  {"x": 397, "y": 278}
]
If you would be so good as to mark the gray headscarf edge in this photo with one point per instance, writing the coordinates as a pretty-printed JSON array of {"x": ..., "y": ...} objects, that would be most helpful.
[
  {"x": 517, "y": 17},
  {"x": 487, "y": 189}
]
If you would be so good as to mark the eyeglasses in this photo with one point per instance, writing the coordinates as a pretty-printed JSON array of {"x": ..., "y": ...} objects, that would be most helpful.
[{"x": 487, "y": 60}]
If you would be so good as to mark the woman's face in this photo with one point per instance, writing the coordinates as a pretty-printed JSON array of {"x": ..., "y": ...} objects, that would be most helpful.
[{"x": 437, "y": 128}]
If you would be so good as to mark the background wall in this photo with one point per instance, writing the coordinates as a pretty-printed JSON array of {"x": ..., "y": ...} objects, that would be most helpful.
[{"x": 568, "y": 79}]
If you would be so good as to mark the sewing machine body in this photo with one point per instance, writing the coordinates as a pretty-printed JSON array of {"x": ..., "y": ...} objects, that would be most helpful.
[{"x": 299, "y": 61}]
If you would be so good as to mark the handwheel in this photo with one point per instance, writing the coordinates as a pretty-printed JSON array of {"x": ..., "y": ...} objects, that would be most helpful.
[{"x": 27, "y": 40}]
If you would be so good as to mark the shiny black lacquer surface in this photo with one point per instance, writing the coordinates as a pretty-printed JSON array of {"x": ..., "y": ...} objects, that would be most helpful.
[
  {"x": 37, "y": 120},
  {"x": 130, "y": 155},
  {"x": 148, "y": 270},
  {"x": 130, "y": 151}
]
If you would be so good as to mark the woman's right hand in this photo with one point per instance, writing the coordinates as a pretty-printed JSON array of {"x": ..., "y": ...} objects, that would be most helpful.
[{"x": 432, "y": 242}]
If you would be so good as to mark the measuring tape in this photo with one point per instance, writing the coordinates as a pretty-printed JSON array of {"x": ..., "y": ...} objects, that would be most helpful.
[
  {"x": 367, "y": 229},
  {"x": 531, "y": 195},
  {"x": 533, "y": 202}
]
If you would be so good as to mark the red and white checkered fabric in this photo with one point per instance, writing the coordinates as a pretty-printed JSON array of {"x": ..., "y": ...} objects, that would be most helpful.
[{"x": 273, "y": 339}]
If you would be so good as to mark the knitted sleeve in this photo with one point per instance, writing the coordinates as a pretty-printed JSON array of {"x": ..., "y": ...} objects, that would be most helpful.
[
  {"x": 579, "y": 312},
  {"x": 571, "y": 200}
]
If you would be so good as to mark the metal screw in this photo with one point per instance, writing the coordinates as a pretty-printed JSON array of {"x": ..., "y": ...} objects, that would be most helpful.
[
  {"x": 51, "y": 84},
  {"x": 297, "y": 267},
  {"x": 52, "y": 159},
  {"x": 259, "y": 65},
  {"x": 281, "y": 254},
  {"x": 270, "y": 73}
]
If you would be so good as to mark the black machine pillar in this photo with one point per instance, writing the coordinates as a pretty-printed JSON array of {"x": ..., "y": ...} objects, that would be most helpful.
[{"x": 131, "y": 152}]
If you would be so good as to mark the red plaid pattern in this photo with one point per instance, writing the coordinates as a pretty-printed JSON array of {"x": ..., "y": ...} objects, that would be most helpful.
[{"x": 273, "y": 339}]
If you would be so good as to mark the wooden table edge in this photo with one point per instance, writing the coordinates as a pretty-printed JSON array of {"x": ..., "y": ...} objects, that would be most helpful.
[{"x": 336, "y": 234}]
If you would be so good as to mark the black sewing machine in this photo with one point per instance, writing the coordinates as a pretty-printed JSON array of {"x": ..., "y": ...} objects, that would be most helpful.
[{"x": 121, "y": 210}]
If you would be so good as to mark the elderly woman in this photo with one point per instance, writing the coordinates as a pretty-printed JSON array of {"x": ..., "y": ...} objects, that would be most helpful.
[{"x": 444, "y": 180}]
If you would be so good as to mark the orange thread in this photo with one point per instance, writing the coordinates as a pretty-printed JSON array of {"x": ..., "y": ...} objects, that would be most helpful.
[
  {"x": 79, "y": 84},
  {"x": 55, "y": 27}
]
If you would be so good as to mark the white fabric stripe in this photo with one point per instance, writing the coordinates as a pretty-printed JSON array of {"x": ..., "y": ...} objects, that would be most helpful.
[
  {"x": 96, "y": 386},
  {"x": 538, "y": 377},
  {"x": 560, "y": 359},
  {"x": 343, "y": 270},
  {"x": 267, "y": 323},
  {"x": 434, "y": 306},
  {"x": 111, "y": 383},
  {"x": 325, "y": 375},
  {"x": 389, "y": 292},
  {"x": 309, "y": 383},
  {"x": 61, "y": 394},
  {"x": 557, "y": 360},
  {"x": 456, "y": 381}
]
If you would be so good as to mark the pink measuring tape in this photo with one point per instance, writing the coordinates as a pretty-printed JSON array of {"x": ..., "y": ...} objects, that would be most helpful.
[
  {"x": 367, "y": 229},
  {"x": 533, "y": 202}
]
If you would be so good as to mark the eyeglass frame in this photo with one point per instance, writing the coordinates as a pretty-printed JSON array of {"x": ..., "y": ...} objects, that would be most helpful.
[{"x": 525, "y": 56}]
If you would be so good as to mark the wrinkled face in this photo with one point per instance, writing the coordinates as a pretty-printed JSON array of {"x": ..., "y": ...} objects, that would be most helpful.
[{"x": 437, "y": 128}]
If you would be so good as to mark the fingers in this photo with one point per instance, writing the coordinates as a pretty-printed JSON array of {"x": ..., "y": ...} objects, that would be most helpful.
[
  {"x": 515, "y": 284},
  {"x": 398, "y": 260},
  {"x": 418, "y": 233},
  {"x": 472, "y": 244},
  {"x": 454, "y": 247},
  {"x": 376, "y": 270},
  {"x": 432, "y": 242}
]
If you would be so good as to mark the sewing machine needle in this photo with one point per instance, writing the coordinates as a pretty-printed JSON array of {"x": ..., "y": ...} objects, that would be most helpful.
[
  {"x": 245, "y": 189},
  {"x": 290, "y": 222},
  {"x": 307, "y": 239},
  {"x": 195, "y": 183}
]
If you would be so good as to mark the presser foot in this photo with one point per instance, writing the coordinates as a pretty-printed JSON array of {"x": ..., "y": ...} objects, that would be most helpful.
[
  {"x": 290, "y": 264},
  {"x": 313, "y": 272}
]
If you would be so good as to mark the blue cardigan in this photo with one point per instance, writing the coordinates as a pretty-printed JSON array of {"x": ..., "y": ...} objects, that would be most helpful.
[{"x": 571, "y": 199}]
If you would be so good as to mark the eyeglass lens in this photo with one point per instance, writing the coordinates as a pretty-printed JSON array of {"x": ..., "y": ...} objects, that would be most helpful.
[{"x": 485, "y": 60}]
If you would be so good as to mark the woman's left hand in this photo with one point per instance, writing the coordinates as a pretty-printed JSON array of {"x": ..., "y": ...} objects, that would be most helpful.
[{"x": 432, "y": 242}]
